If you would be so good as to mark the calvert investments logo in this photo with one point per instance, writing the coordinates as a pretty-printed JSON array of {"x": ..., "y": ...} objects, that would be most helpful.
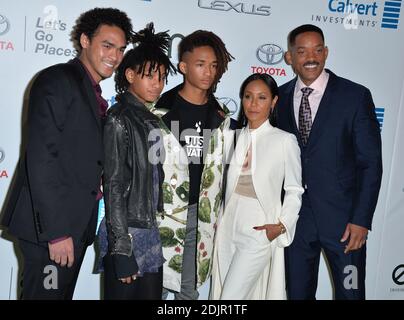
[
  {"x": 354, "y": 14},
  {"x": 380, "y": 116},
  {"x": 236, "y": 6},
  {"x": 5, "y": 26},
  {"x": 391, "y": 14},
  {"x": 270, "y": 55}
]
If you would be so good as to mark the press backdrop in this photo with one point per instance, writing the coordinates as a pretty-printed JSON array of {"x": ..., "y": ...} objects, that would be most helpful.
[{"x": 365, "y": 41}]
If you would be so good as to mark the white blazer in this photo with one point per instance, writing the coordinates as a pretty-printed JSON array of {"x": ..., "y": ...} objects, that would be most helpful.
[{"x": 275, "y": 161}]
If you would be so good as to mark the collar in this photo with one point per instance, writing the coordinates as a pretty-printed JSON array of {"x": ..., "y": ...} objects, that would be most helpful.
[
  {"x": 167, "y": 101},
  {"x": 265, "y": 126},
  {"x": 318, "y": 85},
  {"x": 93, "y": 82},
  {"x": 128, "y": 98}
]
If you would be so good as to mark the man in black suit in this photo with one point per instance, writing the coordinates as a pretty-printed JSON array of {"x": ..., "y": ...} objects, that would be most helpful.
[
  {"x": 53, "y": 205},
  {"x": 335, "y": 123}
]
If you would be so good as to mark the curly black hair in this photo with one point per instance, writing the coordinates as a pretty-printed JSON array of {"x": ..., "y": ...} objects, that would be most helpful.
[
  {"x": 89, "y": 22},
  {"x": 201, "y": 38},
  {"x": 149, "y": 47}
]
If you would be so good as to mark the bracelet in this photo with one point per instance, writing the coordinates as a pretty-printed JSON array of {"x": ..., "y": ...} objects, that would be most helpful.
[{"x": 283, "y": 229}]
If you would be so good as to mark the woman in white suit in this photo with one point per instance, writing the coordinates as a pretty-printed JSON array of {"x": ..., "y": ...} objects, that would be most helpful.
[{"x": 256, "y": 225}]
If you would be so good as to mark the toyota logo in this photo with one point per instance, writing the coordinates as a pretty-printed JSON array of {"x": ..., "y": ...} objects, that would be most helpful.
[
  {"x": 2, "y": 155},
  {"x": 398, "y": 275},
  {"x": 270, "y": 54},
  {"x": 4, "y": 25},
  {"x": 230, "y": 104}
]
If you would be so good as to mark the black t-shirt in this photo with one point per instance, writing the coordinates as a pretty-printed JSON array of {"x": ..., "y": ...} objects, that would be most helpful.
[{"x": 192, "y": 121}]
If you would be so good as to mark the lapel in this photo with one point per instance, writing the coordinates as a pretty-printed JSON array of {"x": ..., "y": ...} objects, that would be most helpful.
[
  {"x": 88, "y": 91},
  {"x": 237, "y": 160},
  {"x": 322, "y": 113},
  {"x": 320, "y": 121},
  {"x": 167, "y": 102},
  {"x": 291, "y": 111},
  {"x": 215, "y": 117},
  {"x": 262, "y": 148},
  {"x": 172, "y": 138},
  {"x": 289, "y": 124},
  {"x": 172, "y": 116}
]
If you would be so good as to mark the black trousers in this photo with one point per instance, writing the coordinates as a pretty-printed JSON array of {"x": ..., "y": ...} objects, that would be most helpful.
[
  {"x": 42, "y": 279},
  {"x": 303, "y": 258},
  {"x": 148, "y": 287}
]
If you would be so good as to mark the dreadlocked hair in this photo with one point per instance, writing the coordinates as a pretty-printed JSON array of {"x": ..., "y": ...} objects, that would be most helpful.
[
  {"x": 149, "y": 47},
  {"x": 202, "y": 38}
]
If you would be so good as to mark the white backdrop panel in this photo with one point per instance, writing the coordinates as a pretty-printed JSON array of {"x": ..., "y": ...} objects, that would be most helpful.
[{"x": 360, "y": 49}]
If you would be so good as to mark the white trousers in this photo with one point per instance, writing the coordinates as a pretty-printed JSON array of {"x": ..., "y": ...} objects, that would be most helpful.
[{"x": 243, "y": 254}]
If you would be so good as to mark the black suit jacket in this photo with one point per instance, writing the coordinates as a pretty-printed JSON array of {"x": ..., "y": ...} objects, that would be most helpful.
[
  {"x": 341, "y": 163},
  {"x": 59, "y": 172}
]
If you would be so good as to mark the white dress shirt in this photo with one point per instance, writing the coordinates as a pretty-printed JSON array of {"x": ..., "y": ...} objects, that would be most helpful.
[{"x": 318, "y": 87}]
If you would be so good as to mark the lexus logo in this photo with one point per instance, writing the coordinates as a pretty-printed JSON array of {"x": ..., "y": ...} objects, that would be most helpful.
[
  {"x": 230, "y": 104},
  {"x": 4, "y": 25},
  {"x": 398, "y": 275},
  {"x": 2, "y": 155},
  {"x": 239, "y": 7},
  {"x": 270, "y": 54}
]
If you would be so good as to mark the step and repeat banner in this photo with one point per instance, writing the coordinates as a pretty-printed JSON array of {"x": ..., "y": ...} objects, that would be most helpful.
[{"x": 365, "y": 41}]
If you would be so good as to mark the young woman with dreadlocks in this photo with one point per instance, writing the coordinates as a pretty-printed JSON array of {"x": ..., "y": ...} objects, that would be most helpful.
[
  {"x": 197, "y": 123},
  {"x": 129, "y": 240}
]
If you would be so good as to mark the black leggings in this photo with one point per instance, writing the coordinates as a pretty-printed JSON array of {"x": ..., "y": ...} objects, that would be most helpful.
[{"x": 148, "y": 287}]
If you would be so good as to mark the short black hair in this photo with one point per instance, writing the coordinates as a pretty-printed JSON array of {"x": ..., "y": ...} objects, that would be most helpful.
[
  {"x": 89, "y": 22},
  {"x": 201, "y": 38},
  {"x": 302, "y": 29},
  {"x": 273, "y": 88},
  {"x": 150, "y": 48}
]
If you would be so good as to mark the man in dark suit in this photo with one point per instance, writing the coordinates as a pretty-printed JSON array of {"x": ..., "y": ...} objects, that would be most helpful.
[
  {"x": 53, "y": 205},
  {"x": 335, "y": 123}
]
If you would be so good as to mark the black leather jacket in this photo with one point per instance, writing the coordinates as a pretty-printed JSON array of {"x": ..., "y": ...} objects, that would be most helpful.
[{"x": 128, "y": 173}]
